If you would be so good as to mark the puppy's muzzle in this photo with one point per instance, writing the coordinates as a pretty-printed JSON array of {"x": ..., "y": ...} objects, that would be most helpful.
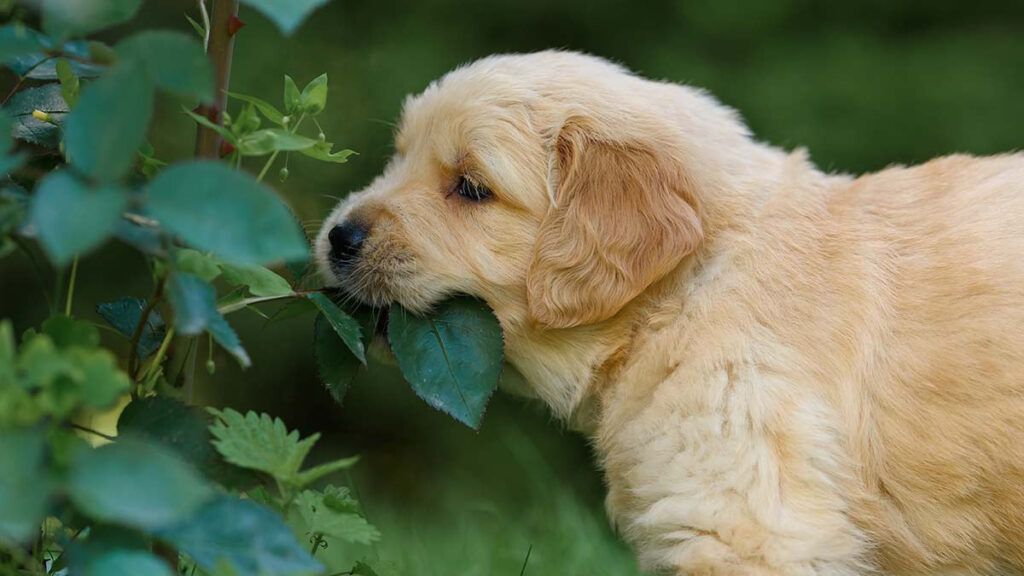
[{"x": 346, "y": 241}]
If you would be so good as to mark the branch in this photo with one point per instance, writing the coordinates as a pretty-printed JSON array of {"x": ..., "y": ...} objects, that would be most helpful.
[{"x": 221, "y": 46}]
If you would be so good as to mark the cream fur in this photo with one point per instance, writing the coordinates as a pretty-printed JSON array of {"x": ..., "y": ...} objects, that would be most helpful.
[{"x": 824, "y": 376}]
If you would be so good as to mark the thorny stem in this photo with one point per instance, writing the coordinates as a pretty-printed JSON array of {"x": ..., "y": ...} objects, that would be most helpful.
[
  {"x": 71, "y": 286},
  {"x": 219, "y": 48}
]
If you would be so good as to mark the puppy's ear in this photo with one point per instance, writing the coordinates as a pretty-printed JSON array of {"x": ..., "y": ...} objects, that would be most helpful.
[{"x": 623, "y": 219}]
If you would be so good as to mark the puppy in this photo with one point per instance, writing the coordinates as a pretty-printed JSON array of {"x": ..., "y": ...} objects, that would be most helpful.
[{"x": 784, "y": 372}]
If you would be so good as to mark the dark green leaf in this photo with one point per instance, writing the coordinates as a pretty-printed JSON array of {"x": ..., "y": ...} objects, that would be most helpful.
[
  {"x": 24, "y": 484},
  {"x": 17, "y": 40},
  {"x": 322, "y": 151},
  {"x": 259, "y": 280},
  {"x": 195, "y": 311},
  {"x": 270, "y": 140},
  {"x": 71, "y": 218},
  {"x": 46, "y": 98},
  {"x": 335, "y": 363},
  {"x": 109, "y": 123},
  {"x": 292, "y": 97},
  {"x": 124, "y": 315},
  {"x": 248, "y": 537},
  {"x": 219, "y": 210},
  {"x": 287, "y": 14},
  {"x": 344, "y": 325},
  {"x": 314, "y": 96},
  {"x": 42, "y": 66},
  {"x": 175, "y": 62},
  {"x": 452, "y": 358},
  {"x": 136, "y": 483},
  {"x": 268, "y": 110},
  {"x": 100, "y": 540},
  {"x": 126, "y": 563},
  {"x": 64, "y": 18}
]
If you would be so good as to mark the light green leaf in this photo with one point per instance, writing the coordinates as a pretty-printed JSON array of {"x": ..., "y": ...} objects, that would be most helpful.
[
  {"x": 71, "y": 218},
  {"x": 322, "y": 151},
  {"x": 24, "y": 484},
  {"x": 174, "y": 62},
  {"x": 270, "y": 140},
  {"x": 219, "y": 210},
  {"x": 66, "y": 332},
  {"x": 334, "y": 514},
  {"x": 127, "y": 563},
  {"x": 335, "y": 363},
  {"x": 344, "y": 325},
  {"x": 311, "y": 475},
  {"x": 195, "y": 311},
  {"x": 259, "y": 442},
  {"x": 259, "y": 280},
  {"x": 292, "y": 97},
  {"x": 268, "y": 110},
  {"x": 124, "y": 315},
  {"x": 136, "y": 483},
  {"x": 452, "y": 358},
  {"x": 314, "y": 96},
  {"x": 17, "y": 40},
  {"x": 64, "y": 18},
  {"x": 251, "y": 539},
  {"x": 224, "y": 132},
  {"x": 109, "y": 124},
  {"x": 195, "y": 262},
  {"x": 69, "y": 84},
  {"x": 287, "y": 14}
]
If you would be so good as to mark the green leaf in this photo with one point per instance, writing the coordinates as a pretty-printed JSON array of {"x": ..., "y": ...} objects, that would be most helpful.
[
  {"x": 219, "y": 210},
  {"x": 323, "y": 151},
  {"x": 268, "y": 110},
  {"x": 174, "y": 62},
  {"x": 344, "y": 325},
  {"x": 71, "y": 218},
  {"x": 124, "y": 315},
  {"x": 195, "y": 262},
  {"x": 17, "y": 40},
  {"x": 270, "y": 140},
  {"x": 195, "y": 311},
  {"x": 46, "y": 98},
  {"x": 248, "y": 537},
  {"x": 109, "y": 123},
  {"x": 314, "y": 96},
  {"x": 259, "y": 280},
  {"x": 203, "y": 120},
  {"x": 126, "y": 563},
  {"x": 67, "y": 332},
  {"x": 259, "y": 442},
  {"x": 24, "y": 484},
  {"x": 292, "y": 97},
  {"x": 136, "y": 483},
  {"x": 335, "y": 363},
  {"x": 99, "y": 541},
  {"x": 64, "y": 18},
  {"x": 452, "y": 358},
  {"x": 334, "y": 514},
  {"x": 311, "y": 475},
  {"x": 69, "y": 84},
  {"x": 287, "y": 14},
  {"x": 42, "y": 66}
]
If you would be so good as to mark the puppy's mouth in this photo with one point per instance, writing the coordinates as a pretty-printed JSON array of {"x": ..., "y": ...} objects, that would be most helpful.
[{"x": 378, "y": 275}]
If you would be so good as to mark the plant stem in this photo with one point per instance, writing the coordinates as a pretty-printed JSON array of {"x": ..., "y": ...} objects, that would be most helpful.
[
  {"x": 273, "y": 156},
  {"x": 220, "y": 48},
  {"x": 317, "y": 539},
  {"x": 133, "y": 360},
  {"x": 94, "y": 432},
  {"x": 71, "y": 286},
  {"x": 154, "y": 365},
  {"x": 236, "y": 306}
]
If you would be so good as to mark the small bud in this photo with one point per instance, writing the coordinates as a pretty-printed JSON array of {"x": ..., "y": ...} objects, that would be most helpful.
[
  {"x": 227, "y": 118},
  {"x": 322, "y": 137},
  {"x": 234, "y": 25},
  {"x": 283, "y": 174},
  {"x": 226, "y": 148},
  {"x": 211, "y": 367},
  {"x": 286, "y": 120},
  {"x": 41, "y": 116}
]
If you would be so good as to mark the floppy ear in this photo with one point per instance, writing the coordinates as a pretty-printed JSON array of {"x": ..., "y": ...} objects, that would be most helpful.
[{"x": 622, "y": 220}]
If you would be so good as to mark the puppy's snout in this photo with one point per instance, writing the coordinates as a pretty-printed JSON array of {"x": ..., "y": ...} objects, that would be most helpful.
[{"x": 347, "y": 240}]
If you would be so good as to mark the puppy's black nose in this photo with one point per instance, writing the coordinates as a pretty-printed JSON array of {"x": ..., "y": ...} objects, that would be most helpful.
[{"x": 346, "y": 240}]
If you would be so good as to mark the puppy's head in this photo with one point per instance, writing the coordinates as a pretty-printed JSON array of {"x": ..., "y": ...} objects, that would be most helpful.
[{"x": 547, "y": 184}]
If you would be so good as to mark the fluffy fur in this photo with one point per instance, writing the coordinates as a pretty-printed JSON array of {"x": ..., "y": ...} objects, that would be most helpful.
[{"x": 784, "y": 372}]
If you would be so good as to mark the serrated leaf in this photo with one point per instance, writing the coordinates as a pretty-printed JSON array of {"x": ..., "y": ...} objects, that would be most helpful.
[
  {"x": 269, "y": 140},
  {"x": 195, "y": 311},
  {"x": 64, "y": 18},
  {"x": 248, "y": 537},
  {"x": 335, "y": 363},
  {"x": 292, "y": 97},
  {"x": 124, "y": 315},
  {"x": 24, "y": 484},
  {"x": 344, "y": 325},
  {"x": 228, "y": 213},
  {"x": 259, "y": 442},
  {"x": 109, "y": 123},
  {"x": 452, "y": 358},
  {"x": 72, "y": 218},
  {"x": 174, "y": 62},
  {"x": 259, "y": 280},
  {"x": 314, "y": 96},
  {"x": 17, "y": 40},
  {"x": 323, "y": 151},
  {"x": 136, "y": 483},
  {"x": 287, "y": 14},
  {"x": 269, "y": 111},
  {"x": 319, "y": 517}
]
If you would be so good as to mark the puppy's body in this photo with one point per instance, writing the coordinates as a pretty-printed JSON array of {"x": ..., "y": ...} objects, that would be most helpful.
[{"x": 784, "y": 372}]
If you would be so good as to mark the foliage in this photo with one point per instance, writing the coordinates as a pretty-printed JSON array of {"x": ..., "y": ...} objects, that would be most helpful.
[{"x": 214, "y": 492}]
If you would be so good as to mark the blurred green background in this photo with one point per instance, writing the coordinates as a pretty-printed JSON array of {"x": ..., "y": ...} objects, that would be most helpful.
[{"x": 860, "y": 84}]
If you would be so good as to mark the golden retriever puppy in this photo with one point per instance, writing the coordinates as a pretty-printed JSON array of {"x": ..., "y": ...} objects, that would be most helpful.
[{"x": 784, "y": 372}]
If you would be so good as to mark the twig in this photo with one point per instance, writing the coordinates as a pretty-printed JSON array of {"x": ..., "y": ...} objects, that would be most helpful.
[
  {"x": 94, "y": 432},
  {"x": 220, "y": 48},
  {"x": 206, "y": 23},
  {"x": 71, "y": 286},
  {"x": 133, "y": 360}
]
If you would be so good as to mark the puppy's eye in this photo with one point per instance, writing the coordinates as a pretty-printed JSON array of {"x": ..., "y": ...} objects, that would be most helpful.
[{"x": 471, "y": 190}]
